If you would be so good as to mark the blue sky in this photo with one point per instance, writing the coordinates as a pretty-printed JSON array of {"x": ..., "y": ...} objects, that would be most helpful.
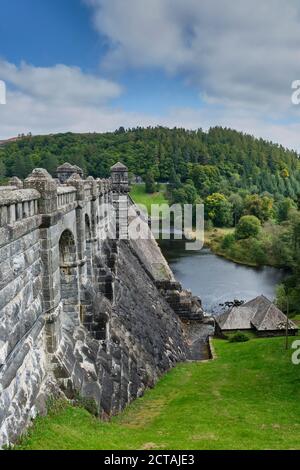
[
  {"x": 94, "y": 65},
  {"x": 45, "y": 33}
]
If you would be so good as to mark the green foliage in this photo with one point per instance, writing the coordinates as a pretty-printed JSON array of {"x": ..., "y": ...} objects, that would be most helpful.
[
  {"x": 237, "y": 419},
  {"x": 248, "y": 226},
  {"x": 2, "y": 169},
  {"x": 150, "y": 183},
  {"x": 89, "y": 404},
  {"x": 186, "y": 194},
  {"x": 260, "y": 207},
  {"x": 239, "y": 337},
  {"x": 256, "y": 251},
  {"x": 219, "y": 210},
  {"x": 220, "y": 160},
  {"x": 206, "y": 178},
  {"x": 179, "y": 196},
  {"x": 288, "y": 295},
  {"x": 282, "y": 297},
  {"x": 237, "y": 204},
  {"x": 283, "y": 209},
  {"x": 228, "y": 241}
]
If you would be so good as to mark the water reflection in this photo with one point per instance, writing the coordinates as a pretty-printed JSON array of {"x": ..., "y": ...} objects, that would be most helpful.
[{"x": 216, "y": 280}]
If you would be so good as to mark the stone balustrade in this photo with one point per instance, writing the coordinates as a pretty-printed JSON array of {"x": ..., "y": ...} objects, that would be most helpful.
[
  {"x": 65, "y": 195},
  {"x": 17, "y": 205}
]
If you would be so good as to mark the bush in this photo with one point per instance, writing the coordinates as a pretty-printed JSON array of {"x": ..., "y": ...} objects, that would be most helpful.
[
  {"x": 248, "y": 226},
  {"x": 228, "y": 241},
  {"x": 150, "y": 185},
  {"x": 208, "y": 225},
  {"x": 89, "y": 404},
  {"x": 219, "y": 210},
  {"x": 239, "y": 337},
  {"x": 257, "y": 251}
]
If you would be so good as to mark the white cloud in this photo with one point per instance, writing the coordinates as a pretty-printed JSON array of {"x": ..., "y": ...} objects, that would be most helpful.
[
  {"x": 239, "y": 51},
  {"x": 65, "y": 85},
  {"x": 61, "y": 99},
  {"x": 241, "y": 56}
]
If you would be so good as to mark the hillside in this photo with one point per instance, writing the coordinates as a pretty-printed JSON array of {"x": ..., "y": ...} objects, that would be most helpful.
[
  {"x": 230, "y": 159},
  {"x": 246, "y": 399}
]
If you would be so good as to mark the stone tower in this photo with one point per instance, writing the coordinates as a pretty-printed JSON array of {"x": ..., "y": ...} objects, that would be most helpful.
[
  {"x": 120, "y": 190},
  {"x": 119, "y": 175},
  {"x": 65, "y": 171}
]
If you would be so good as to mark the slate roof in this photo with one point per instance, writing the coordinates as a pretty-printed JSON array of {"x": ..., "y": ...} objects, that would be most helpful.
[
  {"x": 80, "y": 170},
  {"x": 119, "y": 166},
  {"x": 65, "y": 166},
  {"x": 69, "y": 169},
  {"x": 237, "y": 318},
  {"x": 260, "y": 314},
  {"x": 268, "y": 317}
]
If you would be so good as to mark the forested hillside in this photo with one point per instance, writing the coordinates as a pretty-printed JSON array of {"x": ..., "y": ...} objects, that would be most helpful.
[{"x": 219, "y": 160}]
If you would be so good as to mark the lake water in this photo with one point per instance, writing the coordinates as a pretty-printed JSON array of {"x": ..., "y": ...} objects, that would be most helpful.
[{"x": 216, "y": 280}]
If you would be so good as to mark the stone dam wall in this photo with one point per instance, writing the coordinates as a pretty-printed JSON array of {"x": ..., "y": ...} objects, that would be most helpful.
[{"x": 82, "y": 309}]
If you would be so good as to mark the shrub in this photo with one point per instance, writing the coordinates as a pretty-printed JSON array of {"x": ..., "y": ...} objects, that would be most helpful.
[
  {"x": 208, "y": 225},
  {"x": 257, "y": 251},
  {"x": 228, "y": 241},
  {"x": 89, "y": 404},
  {"x": 150, "y": 185},
  {"x": 219, "y": 210},
  {"x": 239, "y": 337},
  {"x": 248, "y": 226}
]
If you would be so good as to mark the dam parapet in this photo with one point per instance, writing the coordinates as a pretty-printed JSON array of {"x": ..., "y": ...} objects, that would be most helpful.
[{"x": 83, "y": 309}]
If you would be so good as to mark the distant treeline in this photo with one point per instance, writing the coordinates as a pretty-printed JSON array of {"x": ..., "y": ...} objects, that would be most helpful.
[{"x": 220, "y": 160}]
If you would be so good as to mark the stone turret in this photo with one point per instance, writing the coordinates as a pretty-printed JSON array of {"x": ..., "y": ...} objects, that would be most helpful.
[
  {"x": 120, "y": 190},
  {"x": 65, "y": 171},
  {"x": 16, "y": 182},
  {"x": 119, "y": 175},
  {"x": 43, "y": 182}
]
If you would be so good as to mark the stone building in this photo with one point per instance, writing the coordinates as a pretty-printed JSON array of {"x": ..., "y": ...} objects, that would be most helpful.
[{"x": 82, "y": 308}]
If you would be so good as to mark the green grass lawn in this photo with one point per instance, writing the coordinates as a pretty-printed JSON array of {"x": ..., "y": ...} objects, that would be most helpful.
[
  {"x": 248, "y": 398},
  {"x": 296, "y": 319},
  {"x": 140, "y": 196}
]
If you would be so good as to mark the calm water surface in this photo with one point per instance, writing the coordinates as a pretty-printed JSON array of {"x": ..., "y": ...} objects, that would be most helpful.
[{"x": 216, "y": 280}]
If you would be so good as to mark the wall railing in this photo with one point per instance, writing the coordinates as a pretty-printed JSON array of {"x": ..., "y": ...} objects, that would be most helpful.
[
  {"x": 17, "y": 205},
  {"x": 65, "y": 195}
]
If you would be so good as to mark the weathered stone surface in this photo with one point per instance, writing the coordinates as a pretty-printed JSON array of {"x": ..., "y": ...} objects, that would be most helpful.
[{"x": 80, "y": 313}]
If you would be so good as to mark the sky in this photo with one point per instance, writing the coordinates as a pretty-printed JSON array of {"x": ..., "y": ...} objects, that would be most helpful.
[{"x": 96, "y": 65}]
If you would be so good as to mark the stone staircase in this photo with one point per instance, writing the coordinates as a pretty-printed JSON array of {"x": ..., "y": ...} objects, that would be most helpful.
[{"x": 185, "y": 305}]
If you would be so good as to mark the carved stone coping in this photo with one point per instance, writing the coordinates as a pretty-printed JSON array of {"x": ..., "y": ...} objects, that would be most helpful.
[
  {"x": 16, "y": 196},
  {"x": 63, "y": 189}
]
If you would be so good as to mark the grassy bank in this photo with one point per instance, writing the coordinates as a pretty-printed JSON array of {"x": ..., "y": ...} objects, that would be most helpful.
[
  {"x": 214, "y": 238},
  {"x": 249, "y": 398},
  {"x": 254, "y": 252},
  {"x": 296, "y": 319},
  {"x": 139, "y": 195}
]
